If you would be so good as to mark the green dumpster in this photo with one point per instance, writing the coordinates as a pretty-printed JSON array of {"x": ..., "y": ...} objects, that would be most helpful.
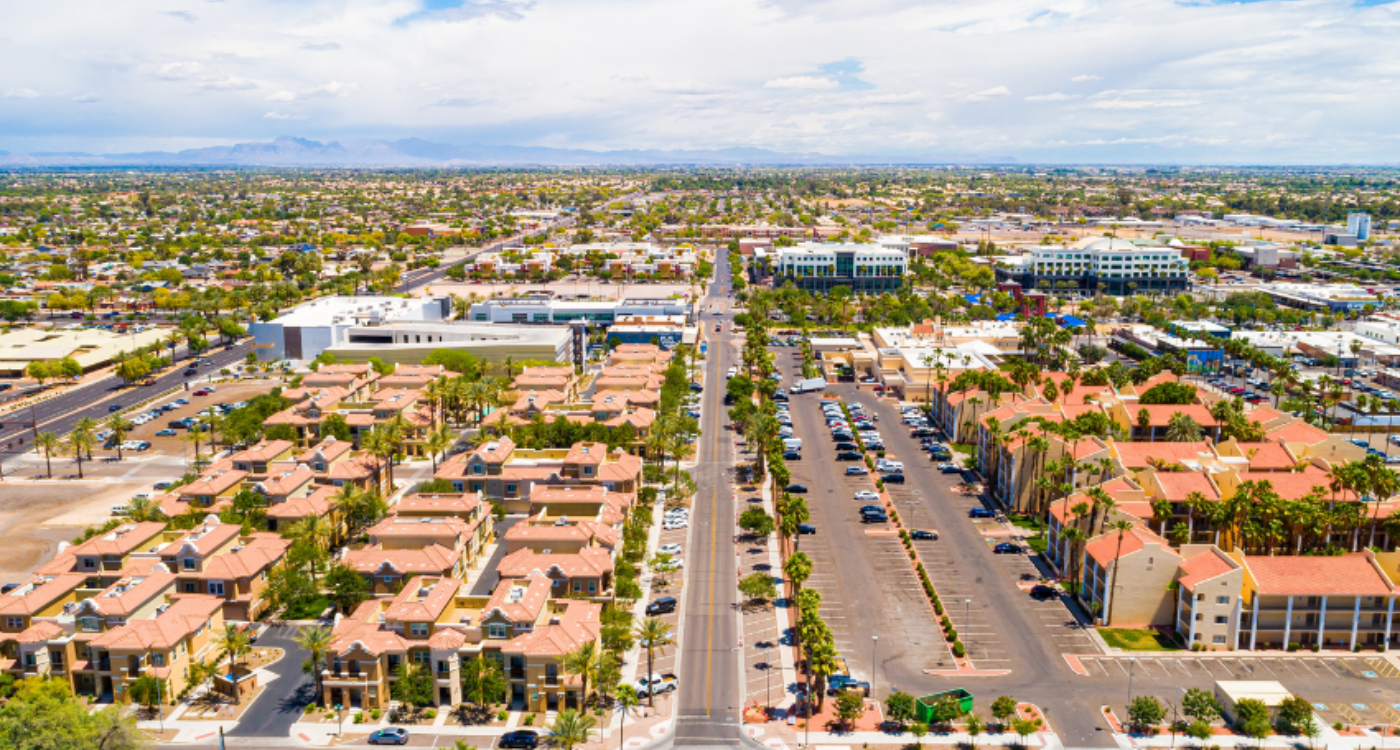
[{"x": 927, "y": 708}]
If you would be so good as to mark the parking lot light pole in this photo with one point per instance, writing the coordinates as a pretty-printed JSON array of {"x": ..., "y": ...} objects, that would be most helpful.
[
  {"x": 967, "y": 611},
  {"x": 1131, "y": 662},
  {"x": 874, "y": 641}
]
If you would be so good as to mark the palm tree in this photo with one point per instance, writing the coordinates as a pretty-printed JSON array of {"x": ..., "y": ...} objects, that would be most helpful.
[
  {"x": 142, "y": 509},
  {"x": 317, "y": 531},
  {"x": 438, "y": 441},
  {"x": 821, "y": 663},
  {"x": 196, "y": 434},
  {"x": 316, "y": 641},
  {"x": 1183, "y": 429},
  {"x": 571, "y": 728},
  {"x": 88, "y": 428},
  {"x": 584, "y": 662},
  {"x": 380, "y": 444},
  {"x": 653, "y": 635},
  {"x": 626, "y": 699},
  {"x": 234, "y": 641},
  {"x": 1072, "y": 537},
  {"x": 80, "y": 443},
  {"x": 49, "y": 443},
  {"x": 119, "y": 427}
]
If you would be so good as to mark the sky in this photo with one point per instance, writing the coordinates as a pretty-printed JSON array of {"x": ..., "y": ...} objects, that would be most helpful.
[{"x": 1068, "y": 81}]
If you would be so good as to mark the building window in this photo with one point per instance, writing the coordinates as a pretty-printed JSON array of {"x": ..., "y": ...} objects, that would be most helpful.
[
  {"x": 1222, "y": 600},
  {"x": 1220, "y": 620},
  {"x": 419, "y": 629},
  {"x": 189, "y": 563},
  {"x": 14, "y": 623},
  {"x": 1218, "y": 639},
  {"x": 496, "y": 631},
  {"x": 89, "y": 563},
  {"x": 421, "y": 657},
  {"x": 157, "y": 660},
  {"x": 216, "y": 588}
]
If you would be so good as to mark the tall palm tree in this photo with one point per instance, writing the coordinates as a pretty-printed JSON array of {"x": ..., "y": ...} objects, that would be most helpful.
[
  {"x": 1071, "y": 538},
  {"x": 49, "y": 443},
  {"x": 821, "y": 663},
  {"x": 234, "y": 641},
  {"x": 87, "y": 427},
  {"x": 654, "y": 635},
  {"x": 380, "y": 444},
  {"x": 80, "y": 443},
  {"x": 316, "y": 642},
  {"x": 143, "y": 509},
  {"x": 584, "y": 662},
  {"x": 195, "y": 435},
  {"x": 438, "y": 441},
  {"x": 119, "y": 427}
]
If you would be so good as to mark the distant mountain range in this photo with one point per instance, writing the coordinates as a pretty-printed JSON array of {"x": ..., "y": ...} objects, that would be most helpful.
[{"x": 289, "y": 151}]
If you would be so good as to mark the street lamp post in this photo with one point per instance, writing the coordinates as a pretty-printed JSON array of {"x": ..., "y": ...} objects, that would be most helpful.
[
  {"x": 1131, "y": 663},
  {"x": 874, "y": 641},
  {"x": 340, "y": 719}
]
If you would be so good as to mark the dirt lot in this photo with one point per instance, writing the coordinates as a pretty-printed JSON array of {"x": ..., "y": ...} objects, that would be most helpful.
[
  {"x": 38, "y": 516},
  {"x": 177, "y": 445}
]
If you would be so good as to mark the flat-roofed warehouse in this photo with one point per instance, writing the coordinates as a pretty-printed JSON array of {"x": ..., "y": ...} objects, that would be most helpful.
[{"x": 90, "y": 347}]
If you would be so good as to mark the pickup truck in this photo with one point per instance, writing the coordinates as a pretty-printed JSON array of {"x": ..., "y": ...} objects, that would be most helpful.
[
  {"x": 661, "y": 684},
  {"x": 839, "y": 682}
]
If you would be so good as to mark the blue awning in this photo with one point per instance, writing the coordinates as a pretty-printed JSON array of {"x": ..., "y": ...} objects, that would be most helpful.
[
  {"x": 1006, "y": 316},
  {"x": 1070, "y": 320},
  {"x": 973, "y": 299}
]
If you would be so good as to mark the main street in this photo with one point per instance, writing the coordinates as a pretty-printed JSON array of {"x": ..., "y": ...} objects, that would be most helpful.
[
  {"x": 710, "y": 699},
  {"x": 93, "y": 400}
]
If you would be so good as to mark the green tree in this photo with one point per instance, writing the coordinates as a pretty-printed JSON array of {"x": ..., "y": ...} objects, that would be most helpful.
[
  {"x": 50, "y": 444},
  {"x": 44, "y": 715},
  {"x": 758, "y": 586},
  {"x": 849, "y": 705},
  {"x": 316, "y": 642},
  {"x": 1200, "y": 731},
  {"x": 1145, "y": 713},
  {"x": 483, "y": 682},
  {"x": 1200, "y": 705},
  {"x": 626, "y": 700},
  {"x": 148, "y": 691},
  {"x": 918, "y": 729},
  {"x": 233, "y": 641},
  {"x": 571, "y": 728},
  {"x": 900, "y": 707},
  {"x": 1003, "y": 708},
  {"x": 345, "y": 587},
  {"x": 974, "y": 726},
  {"x": 1292, "y": 712},
  {"x": 755, "y": 521},
  {"x": 1023, "y": 729},
  {"x": 414, "y": 686},
  {"x": 583, "y": 662}
]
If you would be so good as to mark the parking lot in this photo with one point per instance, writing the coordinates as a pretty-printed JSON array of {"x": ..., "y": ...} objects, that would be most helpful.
[{"x": 176, "y": 445}]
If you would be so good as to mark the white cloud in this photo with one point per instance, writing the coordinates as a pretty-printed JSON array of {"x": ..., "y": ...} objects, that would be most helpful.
[
  {"x": 87, "y": 99},
  {"x": 332, "y": 89},
  {"x": 803, "y": 83},
  {"x": 179, "y": 71},
  {"x": 1055, "y": 97},
  {"x": 1081, "y": 78},
  {"x": 229, "y": 83},
  {"x": 282, "y": 96},
  {"x": 281, "y": 116},
  {"x": 985, "y": 94},
  {"x": 22, "y": 93}
]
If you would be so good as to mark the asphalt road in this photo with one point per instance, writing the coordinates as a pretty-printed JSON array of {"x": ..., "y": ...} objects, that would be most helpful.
[
  {"x": 710, "y": 696},
  {"x": 284, "y": 699},
  {"x": 59, "y": 414}
]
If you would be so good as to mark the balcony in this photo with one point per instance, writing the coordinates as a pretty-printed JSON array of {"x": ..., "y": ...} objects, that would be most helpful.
[{"x": 343, "y": 676}]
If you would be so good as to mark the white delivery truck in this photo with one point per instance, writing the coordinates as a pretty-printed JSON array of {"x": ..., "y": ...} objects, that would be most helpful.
[{"x": 808, "y": 385}]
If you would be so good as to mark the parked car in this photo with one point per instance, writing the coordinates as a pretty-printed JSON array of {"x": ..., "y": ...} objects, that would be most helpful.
[
  {"x": 669, "y": 549},
  {"x": 949, "y": 468},
  {"x": 980, "y": 512},
  {"x": 867, "y": 495},
  {"x": 167, "y": 432},
  {"x": 792, "y": 456},
  {"x": 856, "y": 471},
  {"x": 892, "y": 479},
  {"x": 657, "y": 684},
  {"x": 394, "y": 736},
  {"x": 521, "y": 738},
  {"x": 1041, "y": 592},
  {"x": 923, "y": 534},
  {"x": 876, "y": 517},
  {"x": 840, "y": 682},
  {"x": 1007, "y": 548},
  {"x": 664, "y": 605},
  {"x": 796, "y": 489},
  {"x": 872, "y": 509}
]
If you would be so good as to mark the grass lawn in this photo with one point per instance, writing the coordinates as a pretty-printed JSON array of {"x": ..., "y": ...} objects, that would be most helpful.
[
  {"x": 1037, "y": 544},
  {"x": 1026, "y": 521},
  {"x": 1136, "y": 640},
  {"x": 964, "y": 448},
  {"x": 307, "y": 609}
]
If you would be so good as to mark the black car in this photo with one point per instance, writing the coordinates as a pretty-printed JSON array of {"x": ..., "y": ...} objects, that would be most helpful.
[
  {"x": 847, "y": 446},
  {"x": 796, "y": 489},
  {"x": 1007, "y": 548},
  {"x": 694, "y": 387},
  {"x": 923, "y": 534},
  {"x": 872, "y": 509},
  {"x": 922, "y": 432},
  {"x": 806, "y": 528},
  {"x": 980, "y": 512},
  {"x": 874, "y": 518},
  {"x": 1042, "y": 592},
  {"x": 114, "y": 407},
  {"x": 522, "y": 738},
  {"x": 848, "y": 456},
  {"x": 893, "y": 478},
  {"x": 661, "y": 606},
  {"x": 792, "y": 456},
  {"x": 940, "y": 456},
  {"x": 191, "y": 371}
]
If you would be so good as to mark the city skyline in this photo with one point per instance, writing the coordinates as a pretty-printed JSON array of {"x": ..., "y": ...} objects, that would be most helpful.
[{"x": 1075, "y": 81}]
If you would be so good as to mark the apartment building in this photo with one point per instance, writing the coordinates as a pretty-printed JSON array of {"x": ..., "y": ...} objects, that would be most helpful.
[
  {"x": 1125, "y": 577},
  {"x": 1099, "y": 264},
  {"x": 505, "y": 473}
]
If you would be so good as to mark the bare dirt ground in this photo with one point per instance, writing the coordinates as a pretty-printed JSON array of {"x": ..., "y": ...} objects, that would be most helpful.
[{"x": 39, "y": 515}]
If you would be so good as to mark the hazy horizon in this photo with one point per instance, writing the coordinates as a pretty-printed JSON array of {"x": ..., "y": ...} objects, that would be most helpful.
[{"x": 1149, "y": 82}]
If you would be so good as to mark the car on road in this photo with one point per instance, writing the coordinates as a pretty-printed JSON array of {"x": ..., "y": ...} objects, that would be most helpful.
[
  {"x": 114, "y": 407},
  {"x": 661, "y": 606},
  {"x": 949, "y": 468},
  {"x": 867, "y": 495},
  {"x": 1007, "y": 548},
  {"x": 923, "y": 534},
  {"x": 201, "y": 392},
  {"x": 189, "y": 372},
  {"x": 806, "y": 529},
  {"x": 1041, "y": 592},
  {"x": 796, "y": 489},
  {"x": 892, "y": 479},
  {"x": 980, "y": 512},
  {"x": 167, "y": 432},
  {"x": 521, "y": 738},
  {"x": 391, "y": 736},
  {"x": 856, "y": 471}
]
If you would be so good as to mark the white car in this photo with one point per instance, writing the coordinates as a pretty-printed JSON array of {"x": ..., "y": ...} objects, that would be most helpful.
[
  {"x": 674, "y": 525},
  {"x": 670, "y": 549},
  {"x": 867, "y": 495}
]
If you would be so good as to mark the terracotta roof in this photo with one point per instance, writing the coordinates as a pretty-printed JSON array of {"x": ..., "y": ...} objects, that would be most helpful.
[
  {"x": 495, "y": 451},
  {"x": 259, "y": 552},
  {"x": 447, "y": 505},
  {"x": 122, "y": 540},
  {"x": 266, "y": 450},
  {"x": 1294, "y": 485},
  {"x": 318, "y": 503},
  {"x": 580, "y": 623},
  {"x": 1202, "y": 568},
  {"x": 40, "y": 632},
  {"x": 202, "y": 539},
  {"x": 586, "y": 453},
  {"x": 1267, "y": 456},
  {"x": 186, "y": 615},
  {"x": 1135, "y": 455},
  {"x": 213, "y": 483},
  {"x": 422, "y": 599},
  {"x": 364, "y": 628},
  {"x": 1176, "y": 485},
  {"x": 1161, "y": 414},
  {"x": 447, "y": 639},
  {"x": 589, "y": 562},
  {"x": 519, "y": 600},
  {"x": 286, "y": 482},
  {"x": 127, "y": 595},
  {"x": 373, "y": 559},
  {"x": 1299, "y": 432},
  {"x": 1104, "y": 547},
  {"x": 39, "y": 593},
  {"x": 1343, "y": 575},
  {"x": 328, "y": 449}
]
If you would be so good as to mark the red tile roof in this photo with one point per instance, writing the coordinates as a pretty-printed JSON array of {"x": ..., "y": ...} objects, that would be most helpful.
[
  {"x": 1343, "y": 575},
  {"x": 1202, "y": 568}
]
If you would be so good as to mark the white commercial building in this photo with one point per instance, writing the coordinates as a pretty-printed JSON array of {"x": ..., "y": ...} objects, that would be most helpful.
[
  {"x": 821, "y": 267},
  {"x": 1107, "y": 264},
  {"x": 548, "y": 309},
  {"x": 1359, "y": 224}
]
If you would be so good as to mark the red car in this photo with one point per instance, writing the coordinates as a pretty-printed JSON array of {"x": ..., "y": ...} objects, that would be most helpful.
[{"x": 201, "y": 392}]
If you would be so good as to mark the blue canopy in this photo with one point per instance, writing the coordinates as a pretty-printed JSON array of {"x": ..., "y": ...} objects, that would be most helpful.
[
  {"x": 1006, "y": 316},
  {"x": 1070, "y": 320},
  {"x": 973, "y": 299}
]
